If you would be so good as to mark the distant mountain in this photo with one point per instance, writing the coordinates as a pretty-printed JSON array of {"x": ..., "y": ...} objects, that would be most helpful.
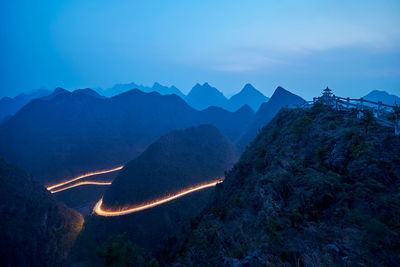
[
  {"x": 248, "y": 95},
  {"x": 121, "y": 88},
  {"x": 267, "y": 111},
  {"x": 176, "y": 161},
  {"x": 9, "y": 106},
  {"x": 74, "y": 133},
  {"x": 383, "y": 96},
  {"x": 35, "y": 229},
  {"x": 204, "y": 96},
  {"x": 88, "y": 91},
  {"x": 226, "y": 121},
  {"x": 164, "y": 90}
]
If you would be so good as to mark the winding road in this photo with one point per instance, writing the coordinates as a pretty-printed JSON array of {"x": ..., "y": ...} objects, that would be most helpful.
[
  {"x": 56, "y": 188},
  {"x": 79, "y": 184},
  {"x": 125, "y": 210}
]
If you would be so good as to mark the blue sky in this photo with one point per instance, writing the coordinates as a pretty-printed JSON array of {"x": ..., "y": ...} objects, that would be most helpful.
[{"x": 352, "y": 46}]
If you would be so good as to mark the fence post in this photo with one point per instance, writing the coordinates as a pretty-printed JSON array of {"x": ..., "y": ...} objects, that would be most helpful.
[{"x": 379, "y": 108}]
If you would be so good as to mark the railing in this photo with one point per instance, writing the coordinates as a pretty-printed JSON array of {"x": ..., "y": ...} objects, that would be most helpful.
[{"x": 386, "y": 115}]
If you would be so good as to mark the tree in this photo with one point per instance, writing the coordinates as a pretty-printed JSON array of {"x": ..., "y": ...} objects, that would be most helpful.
[
  {"x": 368, "y": 120},
  {"x": 119, "y": 251}
]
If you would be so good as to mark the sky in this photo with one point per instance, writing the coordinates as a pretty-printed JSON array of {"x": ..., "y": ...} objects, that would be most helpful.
[{"x": 304, "y": 46}]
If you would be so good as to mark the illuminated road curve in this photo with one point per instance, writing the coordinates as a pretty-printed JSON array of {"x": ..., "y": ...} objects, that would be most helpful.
[
  {"x": 79, "y": 184},
  {"x": 50, "y": 188},
  {"x": 99, "y": 211}
]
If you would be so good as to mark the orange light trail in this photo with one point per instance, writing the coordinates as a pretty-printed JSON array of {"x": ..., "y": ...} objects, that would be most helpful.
[
  {"x": 99, "y": 211},
  {"x": 83, "y": 176},
  {"x": 80, "y": 183}
]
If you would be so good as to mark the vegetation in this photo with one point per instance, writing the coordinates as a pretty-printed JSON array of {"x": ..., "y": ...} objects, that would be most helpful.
[
  {"x": 35, "y": 229},
  {"x": 119, "y": 251},
  {"x": 315, "y": 188}
]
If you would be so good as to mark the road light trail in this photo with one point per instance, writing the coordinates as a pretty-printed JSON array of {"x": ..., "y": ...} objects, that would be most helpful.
[
  {"x": 79, "y": 184},
  {"x": 99, "y": 211},
  {"x": 83, "y": 176}
]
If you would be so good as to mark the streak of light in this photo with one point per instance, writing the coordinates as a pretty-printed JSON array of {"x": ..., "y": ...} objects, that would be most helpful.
[
  {"x": 99, "y": 211},
  {"x": 83, "y": 176},
  {"x": 80, "y": 183}
]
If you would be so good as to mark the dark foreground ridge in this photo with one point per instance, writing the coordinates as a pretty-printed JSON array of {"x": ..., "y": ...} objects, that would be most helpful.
[
  {"x": 316, "y": 187},
  {"x": 35, "y": 229}
]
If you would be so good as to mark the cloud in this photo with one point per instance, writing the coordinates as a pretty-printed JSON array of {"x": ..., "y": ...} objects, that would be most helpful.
[{"x": 244, "y": 61}]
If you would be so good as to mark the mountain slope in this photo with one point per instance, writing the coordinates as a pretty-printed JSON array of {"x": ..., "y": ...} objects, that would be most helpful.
[
  {"x": 35, "y": 229},
  {"x": 204, "y": 96},
  {"x": 9, "y": 106},
  {"x": 315, "y": 188},
  {"x": 174, "y": 162},
  {"x": 266, "y": 112},
  {"x": 248, "y": 95},
  {"x": 165, "y": 90},
  {"x": 382, "y": 96},
  {"x": 74, "y": 133}
]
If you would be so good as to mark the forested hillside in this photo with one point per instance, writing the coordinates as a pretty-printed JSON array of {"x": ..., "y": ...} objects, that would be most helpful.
[{"x": 315, "y": 188}]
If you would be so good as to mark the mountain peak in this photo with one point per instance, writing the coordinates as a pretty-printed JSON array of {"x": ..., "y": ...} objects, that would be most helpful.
[
  {"x": 245, "y": 109},
  {"x": 203, "y": 96},
  {"x": 60, "y": 90},
  {"x": 281, "y": 89},
  {"x": 248, "y": 95},
  {"x": 249, "y": 87},
  {"x": 281, "y": 92},
  {"x": 382, "y": 96}
]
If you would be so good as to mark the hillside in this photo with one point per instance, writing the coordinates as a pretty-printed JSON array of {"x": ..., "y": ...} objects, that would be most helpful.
[
  {"x": 176, "y": 161},
  {"x": 35, "y": 229},
  {"x": 266, "y": 112},
  {"x": 315, "y": 188},
  {"x": 72, "y": 133}
]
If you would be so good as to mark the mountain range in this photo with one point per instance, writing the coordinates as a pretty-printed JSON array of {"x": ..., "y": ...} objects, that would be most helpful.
[
  {"x": 9, "y": 106},
  {"x": 204, "y": 96},
  {"x": 312, "y": 187},
  {"x": 200, "y": 97},
  {"x": 72, "y": 133},
  {"x": 121, "y": 88}
]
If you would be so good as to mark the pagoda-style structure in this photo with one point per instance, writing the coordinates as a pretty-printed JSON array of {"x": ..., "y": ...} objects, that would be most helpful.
[
  {"x": 328, "y": 97},
  {"x": 327, "y": 93}
]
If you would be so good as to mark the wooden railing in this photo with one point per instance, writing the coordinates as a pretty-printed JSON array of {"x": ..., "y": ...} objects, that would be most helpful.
[{"x": 386, "y": 115}]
